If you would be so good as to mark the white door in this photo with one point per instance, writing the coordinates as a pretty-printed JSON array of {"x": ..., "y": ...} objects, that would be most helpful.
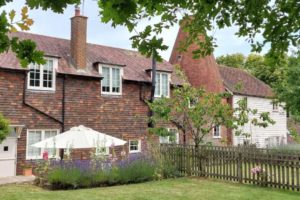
[{"x": 8, "y": 156}]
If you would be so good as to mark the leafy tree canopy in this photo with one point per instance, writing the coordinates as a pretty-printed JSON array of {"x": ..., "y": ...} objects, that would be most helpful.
[
  {"x": 232, "y": 60},
  {"x": 277, "y": 21},
  {"x": 196, "y": 112},
  {"x": 25, "y": 50},
  {"x": 288, "y": 89},
  {"x": 269, "y": 68}
]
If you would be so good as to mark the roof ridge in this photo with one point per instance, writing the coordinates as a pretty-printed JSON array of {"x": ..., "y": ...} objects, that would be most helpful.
[
  {"x": 246, "y": 72},
  {"x": 65, "y": 39}
]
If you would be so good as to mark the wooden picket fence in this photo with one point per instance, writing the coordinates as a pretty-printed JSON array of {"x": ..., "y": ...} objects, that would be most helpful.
[{"x": 279, "y": 169}]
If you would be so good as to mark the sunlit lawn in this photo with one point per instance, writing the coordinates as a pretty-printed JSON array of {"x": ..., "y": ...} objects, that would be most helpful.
[{"x": 173, "y": 189}]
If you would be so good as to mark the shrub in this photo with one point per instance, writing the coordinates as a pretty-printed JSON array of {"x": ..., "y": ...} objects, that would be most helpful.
[
  {"x": 136, "y": 171},
  {"x": 61, "y": 178},
  {"x": 82, "y": 174}
]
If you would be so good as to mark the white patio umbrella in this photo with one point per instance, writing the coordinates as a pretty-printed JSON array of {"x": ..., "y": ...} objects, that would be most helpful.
[{"x": 79, "y": 137}]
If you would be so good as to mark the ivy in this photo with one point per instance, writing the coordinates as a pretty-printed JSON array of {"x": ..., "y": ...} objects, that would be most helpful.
[{"x": 4, "y": 128}]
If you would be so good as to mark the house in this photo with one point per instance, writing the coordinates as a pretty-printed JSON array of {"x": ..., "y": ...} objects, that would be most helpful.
[
  {"x": 101, "y": 87},
  {"x": 258, "y": 95},
  {"x": 206, "y": 73}
]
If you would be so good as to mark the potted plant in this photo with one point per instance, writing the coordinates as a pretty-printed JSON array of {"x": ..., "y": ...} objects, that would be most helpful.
[{"x": 27, "y": 169}]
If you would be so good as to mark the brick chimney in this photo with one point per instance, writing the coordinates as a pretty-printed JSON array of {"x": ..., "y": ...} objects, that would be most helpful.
[{"x": 78, "y": 39}]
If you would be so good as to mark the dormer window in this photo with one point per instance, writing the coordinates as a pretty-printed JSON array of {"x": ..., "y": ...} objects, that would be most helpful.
[
  {"x": 112, "y": 80},
  {"x": 42, "y": 77},
  {"x": 162, "y": 86}
]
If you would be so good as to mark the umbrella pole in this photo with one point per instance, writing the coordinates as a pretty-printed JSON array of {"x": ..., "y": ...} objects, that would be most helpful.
[{"x": 61, "y": 154}]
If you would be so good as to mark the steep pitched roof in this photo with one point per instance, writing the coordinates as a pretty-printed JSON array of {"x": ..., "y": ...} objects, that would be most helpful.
[
  {"x": 135, "y": 65},
  {"x": 241, "y": 82},
  {"x": 202, "y": 72}
]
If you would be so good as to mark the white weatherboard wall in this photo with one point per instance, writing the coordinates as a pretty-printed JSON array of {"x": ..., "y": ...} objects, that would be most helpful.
[{"x": 263, "y": 137}]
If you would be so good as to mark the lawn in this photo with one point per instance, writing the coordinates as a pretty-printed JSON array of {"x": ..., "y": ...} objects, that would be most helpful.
[{"x": 183, "y": 188}]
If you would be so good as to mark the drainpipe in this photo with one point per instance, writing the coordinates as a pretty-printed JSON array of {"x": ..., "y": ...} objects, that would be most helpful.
[
  {"x": 34, "y": 108},
  {"x": 63, "y": 102},
  {"x": 150, "y": 124}
]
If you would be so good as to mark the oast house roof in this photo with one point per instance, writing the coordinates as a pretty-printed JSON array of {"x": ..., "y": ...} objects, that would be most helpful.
[
  {"x": 241, "y": 82},
  {"x": 135, "y": 65}
]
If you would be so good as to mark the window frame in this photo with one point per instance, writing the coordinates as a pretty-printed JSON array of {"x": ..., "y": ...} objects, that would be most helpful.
[
  {"x": 41, "y": 88},
  {"x": 177, "y": 137},
  {"x": 110, "y": 80},
  {"x": 275, "y": 106},
  {"x": 42, "y": 149},
  {"x": 139, "y": 146},
  {"x": 220, "y": 133},
  {"x": 160, "y": 84}
]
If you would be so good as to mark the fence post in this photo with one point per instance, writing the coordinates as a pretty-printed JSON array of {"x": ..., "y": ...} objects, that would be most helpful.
[{"x": 240, "y": 167}]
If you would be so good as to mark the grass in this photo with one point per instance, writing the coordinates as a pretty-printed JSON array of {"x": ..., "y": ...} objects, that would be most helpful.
[{"x": 175, "y": 189}]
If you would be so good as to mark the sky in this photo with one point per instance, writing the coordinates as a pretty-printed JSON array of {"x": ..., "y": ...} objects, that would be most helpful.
[{"x": 58, "y": 25}]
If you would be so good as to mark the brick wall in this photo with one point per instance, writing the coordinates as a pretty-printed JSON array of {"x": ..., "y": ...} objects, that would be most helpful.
[
  {"x": 122, "y": 116},
  {"x": 201, "y": 73}
]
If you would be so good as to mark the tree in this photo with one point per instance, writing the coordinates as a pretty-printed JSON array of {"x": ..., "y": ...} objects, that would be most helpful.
[
  {"x": 277, "y": 22},
  {"x": 288, "y": 90},
  {"x": 236, "y": 60},
  {"x": 25, "y": 50},
  {"x": 196, "y": 112},
  {"x": 4, "y": 128},
  {"x": 193, "y": 111},
  {"x": 268, "y": 68},
  {"x": 244, "y": 115}
]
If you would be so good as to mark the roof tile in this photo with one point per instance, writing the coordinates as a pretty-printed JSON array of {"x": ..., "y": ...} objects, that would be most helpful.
[
  {"x": 135, "y": 65},
  {"x": 241, "y": 82}
]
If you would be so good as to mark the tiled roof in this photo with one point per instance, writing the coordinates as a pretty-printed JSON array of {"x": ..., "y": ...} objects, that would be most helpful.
[
  {"x": 135, "y": 65},
  {"x": 241, "y": 82}
]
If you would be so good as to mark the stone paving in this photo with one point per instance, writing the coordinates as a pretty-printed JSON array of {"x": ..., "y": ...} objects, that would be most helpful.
[{"x": 16, "y": 179}]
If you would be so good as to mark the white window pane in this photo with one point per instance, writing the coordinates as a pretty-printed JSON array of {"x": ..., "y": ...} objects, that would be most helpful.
[
  {"x": 33, "y": 137},
  {"x": 165, "y": 85},
  {"x": 48, "y": 74},
  {"x": 115, "y": 80},
  {"x": 106, "y": 79},
  {"x": 217, "y": 131},
  {"x": 34, "y": 75},
  {"x": 49, "y": 134},
  {"x": 134, "y": 145},
  {"x": 157, "y": 85},
  {"x": 164, "y": 139}
]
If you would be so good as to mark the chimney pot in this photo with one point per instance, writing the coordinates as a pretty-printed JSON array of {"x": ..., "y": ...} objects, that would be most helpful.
[{"x": 77, "y": 11}]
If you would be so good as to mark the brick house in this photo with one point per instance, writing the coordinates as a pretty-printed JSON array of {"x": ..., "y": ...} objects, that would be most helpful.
[{"x": 101, "y": 87}]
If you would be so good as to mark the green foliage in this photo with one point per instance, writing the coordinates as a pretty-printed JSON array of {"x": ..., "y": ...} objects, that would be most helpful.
[
  {"x": 137, "y": 171},
  {"x": 269, "y": 68},
  {"x": 25, "y": 50},
  {"x": 234, "y": 60},
  {"x": 4, "y": 128},
  {"x": 55, "y": 6},
  {"x": 244, "y": 115},
  {"x": 288, "y": 90},
  {"x": 193, "y": 111},
  {"x": 64, "y": 178},
  {"x": 277, "y": 22}
]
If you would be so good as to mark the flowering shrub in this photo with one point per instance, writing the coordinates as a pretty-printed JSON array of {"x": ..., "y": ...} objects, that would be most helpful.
[
  {"x": 261, "y": 174},
  {"x": 87, "y": 173}
]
